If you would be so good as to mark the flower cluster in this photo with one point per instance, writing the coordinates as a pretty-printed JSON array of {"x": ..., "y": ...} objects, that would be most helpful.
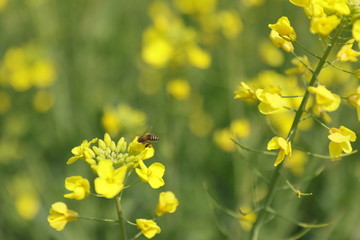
[{"x": 113, "y": 163}]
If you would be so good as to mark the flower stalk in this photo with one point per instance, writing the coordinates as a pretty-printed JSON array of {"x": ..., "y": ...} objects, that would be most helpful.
[
  {"x": 120, "y": 217},
  {"x": 297, "y": 119}
]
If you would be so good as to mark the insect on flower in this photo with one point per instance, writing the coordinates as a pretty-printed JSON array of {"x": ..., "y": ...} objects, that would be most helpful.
[{"x": 147, "y": 137}]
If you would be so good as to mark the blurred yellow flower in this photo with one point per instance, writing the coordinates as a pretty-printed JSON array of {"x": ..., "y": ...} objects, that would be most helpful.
[
  {"x": 240, "y": 128},
  {"x": 157, "y": 52},
  {"x": 285, "y": 30},
  {"x": 167, "y": 203},
  {"x": 3, "y": 4},
  {"x": 354, "y": 100},
  {"x": 340, "y": 139},
  {"x": 356, "y": 30},
  {"x": 248, "y": 218},
  {"x": 149, "y": 228},
  {"x": 5, "y": 102},
  {"x": 279, "y": 42},
  {"x": 346, "y": 52},
  {"x": 110, "y": 181},
  {"x": 222, "y": 138},
  {"x": 193, "y": 7},
  {"x": 43, "y": 100},
  {"x": 283, "y": 145},
  {"x": 179, "y": 89},
  {"x": 296, "y": 164},
  {"x": 301, "y": 66},
  {"x": 152, "y": 174},
  {"x": 198, "y": 57},
  {"x": 42, "y": 73},
  {"x": 79, "y": 185},
  {"x": 324, "y": 25},
  {"x": 60, "y": 215},
  {"x": 270, "y": 100},
  {"x": 301, "y": 3},
  {"x": 325, "y": 98},
  {"x": 270, "y": 54},
  {"x": 230, "y": 23},
  {"x": 245, "y": 92},
  {"x": 27, "y": 204}
]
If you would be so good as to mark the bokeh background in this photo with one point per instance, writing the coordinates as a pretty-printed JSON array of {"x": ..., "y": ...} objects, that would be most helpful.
[{"x": 72, "y": 70}]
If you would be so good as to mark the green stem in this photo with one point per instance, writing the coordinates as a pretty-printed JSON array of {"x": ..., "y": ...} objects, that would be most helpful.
[
  {"x": 120, "y": 217},
  {"x": 254, "y": 234}
]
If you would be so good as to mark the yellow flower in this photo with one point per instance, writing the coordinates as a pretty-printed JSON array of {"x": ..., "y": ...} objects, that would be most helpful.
[
  {"x": 110, "y": 181},
  {"x": 340, "y": 139},
  {"x": 167, "y": 203},
  {"x": 356, "y": 30},
  {"x": 152, "y": 175},
  {"x": 271, "y": 100},
  {"x": 281, "y": 42},
  {"x": 79, "y": 185},
  {"x": 198, "y": 57},
  {"x": 179, "y": 89},
  {"x": 148, "y": 227},
  {"x": 325, "y": 98},
  {"x": 83, "y": 151},
  {"x": 245, "y": 92},
  {"x": 301, "y": 3},
  {"x": 297, "y": 163},
  {"x": 283, "y": 145},
  {"x": 139, "y": 150},
  {"x": 285, "y": 30},
  {"x": 230, "y": 23},
  {"x": 43, "y": 100},
  {"x": 346, "y": 53},
  {"x": 27, "y": 204},
  {"x": 354, "y": 100},
  {"x": 60, "y": 215},
  {"x": 301, "y": 65},
  {"x": 248, "y": 218},
  {"x": 324, "y": 25}
]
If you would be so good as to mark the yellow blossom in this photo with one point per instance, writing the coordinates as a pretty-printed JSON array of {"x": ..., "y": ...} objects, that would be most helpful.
[
  {"x": 297, "y": 163},
  {"x": 140, "y": 150},
  {"x": 43, "y": 100},
  {"x": 270, "y": 54},
  {"x": 110, "y": 181},
  {"x": 285, "y": 30},
  {"x": 149, "y": 228},
  {"x": 325, "y": 98},
  {"x": 324, "y": 25},
  {"x": 354, "y": 100},
  {"x": 157, "y": 52},
  {"x": 152, "y": 174},
  {"x": 301, "y": 3},
  {"x": 283, "y": 145},
  {"x": 60, "y": 215},
  {"x": 198, "y": 57},
  {"x": 79, "y": 185},
  {"x": 346, "y": 53},
  {"x": 245, "y": 92},
  {"x": 281, "y": 42},
  {"x": 27, "y": 204},
  {"x": 83, "y": 151},
  {"x": 230, "y": 23},
  {"x": 340, "y": 139},
  {"x": 179, "y": 89},
  {"x": 248, "y": 218},
  {"x": 270, "y": 99},
  {"x": 301, "y": 66},
  {"x": 167, "y": 203},
  {"x": 356, "y": 30}
]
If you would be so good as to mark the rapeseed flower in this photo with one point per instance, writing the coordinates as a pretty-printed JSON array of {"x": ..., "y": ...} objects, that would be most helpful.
[
  {"x": 283, "y": 145},
  {"x": 83, "y": 152},
  {"x": 110, "y": 181},
  {"x": 325, "y": 99},
  {"x": 152, "y": 174},
  {"x": 346, "y": 52},
  {"x": 340, "y": 139},
  {"x": 167, "y": 203},
  {"x": 79, "y": 185},
  {"x": 60, "y": 215},
  {"x": 284, "y": 29},
  {"x": 270, "y": 99},
  {"x": 149, "y": 228}
]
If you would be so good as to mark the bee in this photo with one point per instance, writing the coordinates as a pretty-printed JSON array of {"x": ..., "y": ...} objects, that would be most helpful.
[{"x": 147, "y": 137}]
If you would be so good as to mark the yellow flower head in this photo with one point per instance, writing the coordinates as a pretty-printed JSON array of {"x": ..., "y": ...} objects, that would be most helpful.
[
  {"x": 347, "y": 54},
  {"x": 198, "y": 57},
  {"x": 179, "y": 89},
  {"x": 301, "y": 3},
  {"x": 280, "y": 42},
  {"x": 148, "y": 227},
  {"x": 60, "y": 215},
  {"x": 324, "y": 25},
  {"x": 152, "y": 175},
  {"x": 325, "y": 98},
  {"x": 248, "y": 218},
  {"x": 270, "y": 100},
  {"x": 354, "y": 100},
  {"x": 283, "y": 145},
  {"x": 139, "y": 150},
  {"x": 110, "y": 181},
  {"x": 83, "y": 152},
  {"x": 285, "y": 30},
  {"x": 340, "y": 139},
  {"x": 245, "y": 92},
  {"x": 79, "y": 185},
  {"x": 167, "y": 203}
]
